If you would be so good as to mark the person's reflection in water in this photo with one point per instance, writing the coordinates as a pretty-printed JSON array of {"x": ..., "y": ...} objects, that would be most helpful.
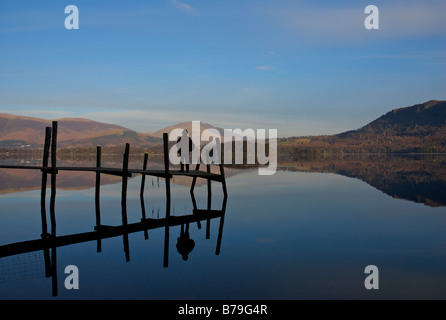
[{"x": 185, "y": 244}]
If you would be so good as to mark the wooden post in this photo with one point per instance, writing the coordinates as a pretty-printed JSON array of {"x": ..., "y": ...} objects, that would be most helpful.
[
  {"x": 166, "y": 246},
  {"x": 54, "y": 286},
  {"x": 143, "y": 179},
  {"x": 194, "y": 211},
  {"x": 46, "y": 154},
  {"x": 125, "y": 171},
  {"x": 98, "y": 193},
  {"x": 208, "y": 222},
  {"x": 168, "y": 200},
  {"x": 220, "y": 228},
  {"x": 53, "y": 178},
  {"x": 141, "y": 194},
  {"x": 194, "y": 180},
  {"x": 222, "y": 168},
  {"x": 166, "y": 171},
  {"x": 208, "y": 170}
]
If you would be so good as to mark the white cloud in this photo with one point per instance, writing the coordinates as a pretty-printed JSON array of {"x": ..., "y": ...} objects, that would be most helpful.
[{"x": 183, "y": 6}]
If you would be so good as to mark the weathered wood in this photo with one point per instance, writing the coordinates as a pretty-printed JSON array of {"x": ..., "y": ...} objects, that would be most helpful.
[
  {"x": 125, "y": 168},
  {"x": 54, "y": 272},
  {"x": 141, "y": 194},
  {"x": 167, "y": 172},
  {"x": 98, "y": 193},
  {"x": 168, "y": 198},
  {"x": 53, "y": 178},
  {"x": 46, "y": 154},
  {"x": 208, "y": 222},
  {"x": 50, "y": 147},
  {"x": 220, "y": 227},
  {"x": 222, "y": 168},
  {"x": 166, "y": 247},
  {"x": 194, "y": 180},
  {"x": 143, "y": 178}
]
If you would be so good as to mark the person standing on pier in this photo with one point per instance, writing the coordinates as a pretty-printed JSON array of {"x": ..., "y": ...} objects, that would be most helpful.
[{"x": 186, "y": 145}]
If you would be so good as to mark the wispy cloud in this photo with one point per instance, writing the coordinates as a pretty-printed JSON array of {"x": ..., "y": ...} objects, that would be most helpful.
[
  {"x": 397, "y": 19},
  {"x": 265, "y": 68},
  {"x": 183, "y": 6}
]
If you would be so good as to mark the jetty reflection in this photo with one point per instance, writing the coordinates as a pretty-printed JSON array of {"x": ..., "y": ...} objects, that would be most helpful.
[{"x": 48, "y": 244}]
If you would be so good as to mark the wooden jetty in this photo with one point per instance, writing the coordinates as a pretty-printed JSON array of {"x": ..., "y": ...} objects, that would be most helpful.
[
  {"x": 50, "y": 168},
  {"x": 50, "y": 241}
]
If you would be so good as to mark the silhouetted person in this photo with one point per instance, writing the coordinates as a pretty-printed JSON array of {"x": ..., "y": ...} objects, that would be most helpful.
[
  {"x": 185, "y": 244},
  {"x": 185, "y": 156}
]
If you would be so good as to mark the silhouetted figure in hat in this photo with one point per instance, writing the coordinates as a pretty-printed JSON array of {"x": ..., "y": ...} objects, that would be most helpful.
[
  {"x": 184, "y": 150},
  {"x": 185, "y": 244}
]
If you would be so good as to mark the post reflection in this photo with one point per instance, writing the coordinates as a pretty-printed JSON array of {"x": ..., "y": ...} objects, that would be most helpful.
[{"x": 49, "y": 243}]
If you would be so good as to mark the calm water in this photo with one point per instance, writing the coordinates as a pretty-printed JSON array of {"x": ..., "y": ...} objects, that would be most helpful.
[{"x": 294, "y": 235}]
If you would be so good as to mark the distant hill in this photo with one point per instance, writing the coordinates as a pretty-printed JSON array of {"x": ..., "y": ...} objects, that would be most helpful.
[
  {"x": 29, "y": 133},
  {"x": 20, "y": 131},
  {"x": 418, "y": 120},
  {"x": 420, "y": 128}
]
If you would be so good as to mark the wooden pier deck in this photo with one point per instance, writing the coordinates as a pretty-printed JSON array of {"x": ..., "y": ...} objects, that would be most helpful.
[
  {"x": 167, "y": 173},
  {"x": 50, "y": 168}
]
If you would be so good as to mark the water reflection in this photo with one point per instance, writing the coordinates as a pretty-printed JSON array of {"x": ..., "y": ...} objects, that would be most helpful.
[
  {"x": 49, "y": 243},
  {"x": 417, "y": 178},
  {"x": 421, "y": 178}
]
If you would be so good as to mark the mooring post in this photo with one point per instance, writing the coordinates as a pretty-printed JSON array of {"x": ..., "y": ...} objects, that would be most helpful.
[
  {"x": 53, "y": 178},
  {"x": 194, "y": 180},
  {"x": 141, "y": 194},
  {"x": 98, "y": 193},
  {"x": 54, "y": 286},
  {"x": 168, "y": 200},
  {"x": 167, "y": 171},
  {"x": 222, "y": 168},
  {"x": 208, "y": 221},
  {"x": 46, "y": 154},
  {"x": 125, "y": 171},
  {"x": 220, "y": 228},
  {"x": 143, "y": 179},
  {"x": 166, "y": 246}
]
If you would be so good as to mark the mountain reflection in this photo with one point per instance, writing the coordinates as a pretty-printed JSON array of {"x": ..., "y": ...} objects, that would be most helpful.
[{"x": 417, "y": 178}]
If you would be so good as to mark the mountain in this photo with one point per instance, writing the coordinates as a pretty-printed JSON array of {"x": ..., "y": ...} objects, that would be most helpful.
[
  {"x": 420, "y": 128},
  {"x": 28, "y": 132},
  {"x": 418, "y": 120},
  {"x": 19, "y": 131}
]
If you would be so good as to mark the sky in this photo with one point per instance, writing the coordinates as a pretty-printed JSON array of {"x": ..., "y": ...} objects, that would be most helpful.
[{"x": 302, "y": 67}]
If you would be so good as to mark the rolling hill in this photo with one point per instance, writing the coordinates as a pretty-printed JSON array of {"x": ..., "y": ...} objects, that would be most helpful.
[
  {"x": 420, "y": 128},
  {"x": 28, "y": 132}
]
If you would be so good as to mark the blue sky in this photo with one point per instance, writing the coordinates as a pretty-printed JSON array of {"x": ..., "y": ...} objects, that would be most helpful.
[{"x": 302, "y": 67}]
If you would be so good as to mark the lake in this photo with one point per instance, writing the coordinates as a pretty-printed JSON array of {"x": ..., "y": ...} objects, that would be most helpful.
[{"x": 306, "y": 232}]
